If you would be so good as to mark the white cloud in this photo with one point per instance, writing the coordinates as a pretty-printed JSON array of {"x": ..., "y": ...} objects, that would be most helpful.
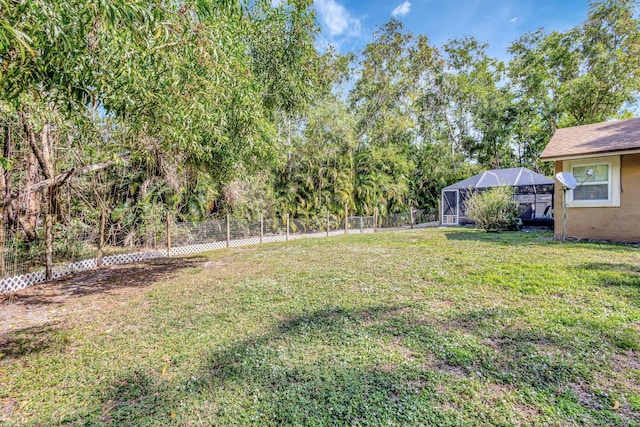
[
  {"x": 336, "y": 18},
  {"x": 513, "y": 19},
  {"x": 402, "y": 10}
]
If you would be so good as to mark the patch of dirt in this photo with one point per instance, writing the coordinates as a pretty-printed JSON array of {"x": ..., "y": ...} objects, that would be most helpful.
[
  {"x": 397, "y": 347},
  {"x": 605, "y": 390},
  {"x": 428, "y": 321},
  {"x": 376, "y": 317},
  {"x": 213, "y": 264},
  {"x": 626, "y": 361},
  {"x": 396, "y": 312},
  {"x": 456, "y": 372},
  {"x": 440, "y": 305},
  {"x": 586, "y": 397},
  {"x": 497, "y": 392},
  {"x": 528, "y": 413},
  {"x": 83, "y": 293},
  {"x": 387, "y": 367},
  {"x": 7, "y": 407},
  {"x": 625, "y": 365}
]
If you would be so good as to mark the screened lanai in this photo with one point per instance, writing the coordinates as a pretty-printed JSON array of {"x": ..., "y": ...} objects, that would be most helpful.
[{"x": 532, "y": 192}]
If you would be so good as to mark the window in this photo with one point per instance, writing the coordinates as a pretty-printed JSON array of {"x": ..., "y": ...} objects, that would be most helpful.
[
  {"x": 594, "y": 186},
  {"x": 601, "y": 188}
]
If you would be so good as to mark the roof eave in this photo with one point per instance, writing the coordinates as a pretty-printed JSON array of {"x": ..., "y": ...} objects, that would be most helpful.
[{"x": 589, "y": 155}]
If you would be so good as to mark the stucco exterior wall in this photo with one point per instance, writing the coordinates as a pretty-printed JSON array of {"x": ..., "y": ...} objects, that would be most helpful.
[{"x": 619, "y": 224}]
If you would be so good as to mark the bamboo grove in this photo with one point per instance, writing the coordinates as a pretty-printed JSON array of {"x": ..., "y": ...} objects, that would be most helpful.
[{"x": 116, "y": 115}]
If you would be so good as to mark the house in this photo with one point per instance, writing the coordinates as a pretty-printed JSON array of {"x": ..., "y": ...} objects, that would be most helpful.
[
  {"x": 606, "y": 203},
  {"x": 533, "y": 193}
]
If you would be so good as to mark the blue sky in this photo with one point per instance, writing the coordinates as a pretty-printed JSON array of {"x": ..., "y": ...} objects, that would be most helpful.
[{"x": 349, "y": 24}]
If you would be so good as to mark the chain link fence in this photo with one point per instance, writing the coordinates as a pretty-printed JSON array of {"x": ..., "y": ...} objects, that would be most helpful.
[{"x": 75, "y": 247}]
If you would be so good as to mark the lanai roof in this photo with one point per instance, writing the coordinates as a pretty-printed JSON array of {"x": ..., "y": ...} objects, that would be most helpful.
[
  {"x": 514, "y": 177},
  {"x": 608, "y": 137}
]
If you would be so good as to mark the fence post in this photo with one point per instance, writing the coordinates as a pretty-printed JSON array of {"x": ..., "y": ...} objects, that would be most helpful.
[
  {"x": 287, "y": 237},
  {"x": 228, "y": 230},
  {"x": 168, "y": 221},
  {"x": 261, "y": 227},
  {"x": 327, "y": 224},
  {"x": 411, "y": 213},
  {"x": 375, "y": 220},
  {"x": 3, "y": 270},
  {"x": 48, "y": 232},
  {"x": 346, "y": 219},
  {"x": 361, "y": 224}
]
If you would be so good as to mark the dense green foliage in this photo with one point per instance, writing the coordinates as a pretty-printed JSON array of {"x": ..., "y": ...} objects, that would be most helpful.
[
  {"x": 493, "y": 210},
  {"x": 199, "y": 109},
  {"x": 420, "y": 327}
]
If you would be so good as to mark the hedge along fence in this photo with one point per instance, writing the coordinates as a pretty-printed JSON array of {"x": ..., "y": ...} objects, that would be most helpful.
[{"x": 189, "y": 238}]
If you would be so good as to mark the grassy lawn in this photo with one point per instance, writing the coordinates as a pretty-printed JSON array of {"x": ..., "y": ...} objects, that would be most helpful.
[{"x": 421, "y": 327}]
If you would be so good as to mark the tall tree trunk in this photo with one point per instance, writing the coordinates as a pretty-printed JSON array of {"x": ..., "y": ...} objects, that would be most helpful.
[
  {"x": 43, "y": 154},
  {"x": 3, "y": 191},
  {"x": 3, "y": 270},
  {"x": 29, "y": 208}
]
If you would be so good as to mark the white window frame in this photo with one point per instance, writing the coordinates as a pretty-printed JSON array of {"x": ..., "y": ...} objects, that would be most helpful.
[{"x": 613, "y": 162}]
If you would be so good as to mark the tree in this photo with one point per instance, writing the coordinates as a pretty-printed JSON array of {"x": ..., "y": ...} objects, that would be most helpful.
[
  {"x": 318, "y": 176},
  {"x": 585, "y": 75},
  {"x": 172, "y": 83},
  {"x": 393, "y": 68},
  {"x": 464, "y": 119}
]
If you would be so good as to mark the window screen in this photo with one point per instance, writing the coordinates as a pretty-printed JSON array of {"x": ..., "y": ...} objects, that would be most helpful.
[{"x": 594, "y": 187}]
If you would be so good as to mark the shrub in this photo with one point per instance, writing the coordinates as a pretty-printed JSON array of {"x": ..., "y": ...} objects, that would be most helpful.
[{"x": 494, "y": 209}]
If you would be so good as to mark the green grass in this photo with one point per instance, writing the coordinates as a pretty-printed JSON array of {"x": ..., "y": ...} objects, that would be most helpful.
[{"x": 424, "y": 327}]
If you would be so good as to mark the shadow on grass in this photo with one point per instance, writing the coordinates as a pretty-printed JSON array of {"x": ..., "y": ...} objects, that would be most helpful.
[
  {"x": 514, "y": 238},
  {"x": 624, "y": 276},
  {"x": 324, "y": 391},
  {"x": 626, "y": 268},
  {"x": 134, "y": 397},
  {"x": 534, "y": 357},
  {"x": 99, "y": 281},
  {"x": 31, "y": 340},
  {"x": 315, "y": 369}
]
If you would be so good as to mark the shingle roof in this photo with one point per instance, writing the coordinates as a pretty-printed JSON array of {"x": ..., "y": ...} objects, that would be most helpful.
[
  {"x": 597, "y": 138},
  {"x": 514, "y": 177}
]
